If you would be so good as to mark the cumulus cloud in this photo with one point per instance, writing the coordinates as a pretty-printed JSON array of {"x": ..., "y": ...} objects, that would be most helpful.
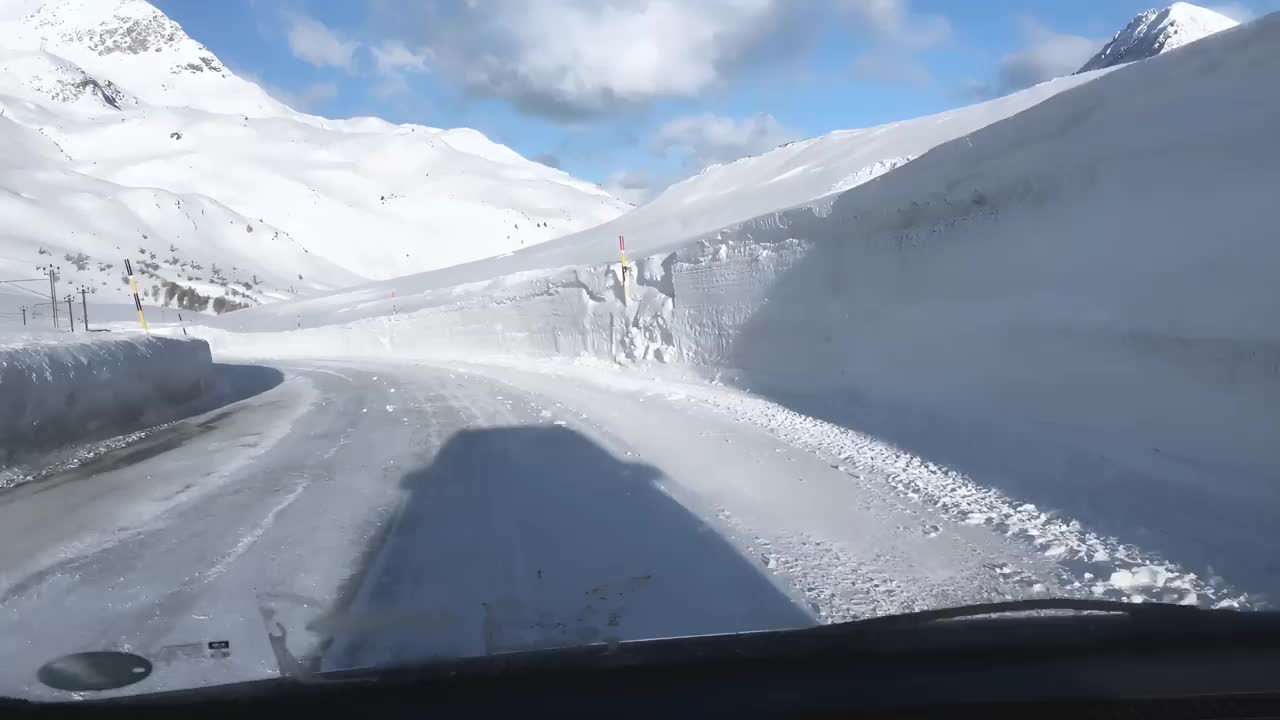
[
  {"x": 1045, "y": 56},
  {"x": 566, "y": 59},
  {"x": 701, "y": 140},
  {"x": 316, "y": 43}
]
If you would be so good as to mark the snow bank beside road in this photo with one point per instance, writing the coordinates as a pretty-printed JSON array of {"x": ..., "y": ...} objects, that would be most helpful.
[{"x": 54, "y": 389}]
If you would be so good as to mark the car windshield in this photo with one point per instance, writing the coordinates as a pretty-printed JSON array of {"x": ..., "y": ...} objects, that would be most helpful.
[{"x": 351, "y": 335}]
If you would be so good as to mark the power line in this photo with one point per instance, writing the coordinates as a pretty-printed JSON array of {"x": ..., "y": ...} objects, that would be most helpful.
[{"x": 33, "y": 292}]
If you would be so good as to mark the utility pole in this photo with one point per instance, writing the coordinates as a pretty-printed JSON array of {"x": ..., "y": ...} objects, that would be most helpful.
[
  {"x": 71, "y": 318},
  {"x": 53, "y": 288},
  {"x": 24, "y": 316},
  {"x": 84, "y": 306}
]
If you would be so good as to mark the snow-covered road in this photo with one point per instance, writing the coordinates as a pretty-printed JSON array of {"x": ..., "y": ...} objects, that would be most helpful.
[{"x": 369, "y": 513}]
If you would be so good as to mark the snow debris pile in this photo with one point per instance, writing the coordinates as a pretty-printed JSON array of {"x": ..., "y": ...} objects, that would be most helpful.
[{"x": 56, "y": 390}]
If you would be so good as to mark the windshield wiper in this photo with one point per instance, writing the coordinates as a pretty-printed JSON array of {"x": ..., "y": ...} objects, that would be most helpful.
[{"x": 1085, "y": 605}]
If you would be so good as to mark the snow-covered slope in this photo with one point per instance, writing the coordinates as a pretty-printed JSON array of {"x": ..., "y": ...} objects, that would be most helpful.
[
  {"x": 131, "y": 99},
  {"x": 1153, "y": 32},
  {"x": 796, "y": 173},
  {"x": 47, "y": 76},
  {"x": 190, "y": 243}
]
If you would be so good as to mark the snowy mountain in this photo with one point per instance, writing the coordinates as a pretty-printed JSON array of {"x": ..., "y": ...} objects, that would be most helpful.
[
  {"x": 722, "y": 195},
  {"x": 104, "y": 102},
  {"x": 132, "y": 43},
  {"x": 1156, "y": 31}
]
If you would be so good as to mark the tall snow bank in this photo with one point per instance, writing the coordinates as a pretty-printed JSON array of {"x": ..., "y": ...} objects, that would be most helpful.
[{"x": 55, "y": 391}]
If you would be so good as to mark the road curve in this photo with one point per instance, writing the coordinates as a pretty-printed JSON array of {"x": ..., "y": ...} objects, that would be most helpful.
[{"x": 359, "y": 514}]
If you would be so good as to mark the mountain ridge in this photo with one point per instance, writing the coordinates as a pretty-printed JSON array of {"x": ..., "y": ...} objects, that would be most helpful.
[{"x": 1157, "y": 31}]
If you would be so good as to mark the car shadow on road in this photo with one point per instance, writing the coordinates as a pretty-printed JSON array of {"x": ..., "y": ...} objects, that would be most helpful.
[{"x": 520, "y": 538}]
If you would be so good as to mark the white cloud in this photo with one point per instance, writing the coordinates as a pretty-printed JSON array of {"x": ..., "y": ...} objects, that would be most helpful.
[
  {"x": 392, "y": 60},
  {"x": 893, "y": 24},
  {"x": 1234, "y": 10},
  {"x": 567, "y": 58},
  {"x": 393, "y": 56},
  {"x": 1045, "y": 56},
  {"x": 634, "y": 187},
  {"x": 705, "y": 139},
  {"x": 313, "y": 42}
]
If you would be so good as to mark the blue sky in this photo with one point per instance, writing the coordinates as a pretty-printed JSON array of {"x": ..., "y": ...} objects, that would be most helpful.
[{"x": 635, "y": 94}]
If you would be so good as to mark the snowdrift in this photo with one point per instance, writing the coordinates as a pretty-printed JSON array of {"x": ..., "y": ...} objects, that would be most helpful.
[{"x": 56, "y": 391}]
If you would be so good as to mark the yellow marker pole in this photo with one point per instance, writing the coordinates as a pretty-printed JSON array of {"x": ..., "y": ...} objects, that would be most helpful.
[{"x": 137, "y": 303}]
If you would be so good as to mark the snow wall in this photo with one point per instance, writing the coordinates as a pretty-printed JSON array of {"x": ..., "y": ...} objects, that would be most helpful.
[
  {"x": 1079, "y": 303},
  {"x": 58, "y": 392}
]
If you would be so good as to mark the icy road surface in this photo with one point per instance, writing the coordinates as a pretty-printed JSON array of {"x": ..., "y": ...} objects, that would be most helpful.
[{"x": 365, "y": 514}]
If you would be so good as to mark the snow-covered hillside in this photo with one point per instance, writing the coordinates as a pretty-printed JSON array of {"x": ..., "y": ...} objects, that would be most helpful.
[
  {"x": 128, "y": 98},
  {"x": 797, "y": 173},
  {"x": 187, "y": 249},
  {"x": 1156, "y": 31}
]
